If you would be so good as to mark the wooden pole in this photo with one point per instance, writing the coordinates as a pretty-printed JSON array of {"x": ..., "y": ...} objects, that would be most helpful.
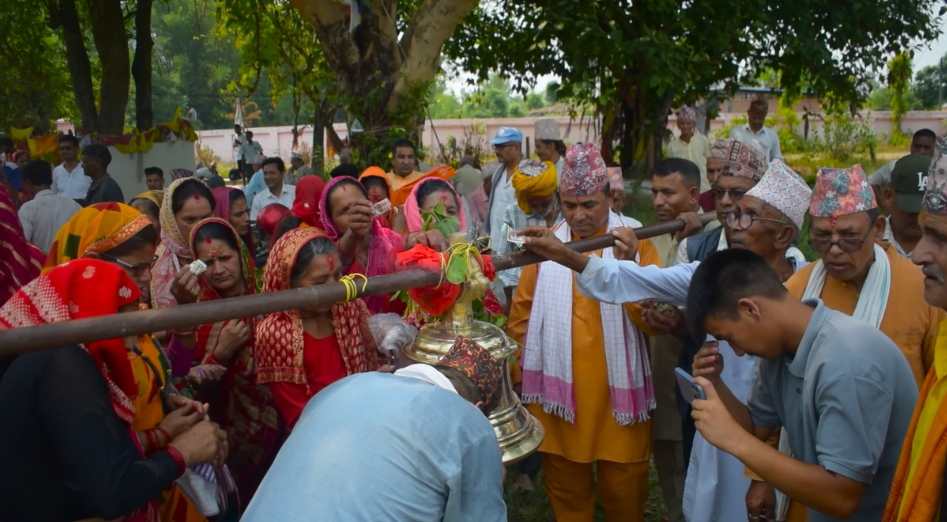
[{"x": 23, "y": 340}]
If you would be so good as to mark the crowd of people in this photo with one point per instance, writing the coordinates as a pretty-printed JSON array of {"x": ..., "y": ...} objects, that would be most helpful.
[{"x": 811, "y": 388}]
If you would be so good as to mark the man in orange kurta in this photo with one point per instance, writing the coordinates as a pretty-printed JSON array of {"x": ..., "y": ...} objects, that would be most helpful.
[
  {"x": 917, "y": 491},
  {"x": 589, "y": 385},
  {"x": 846, "y": 241},
  {"x": 846, "y": 225}
]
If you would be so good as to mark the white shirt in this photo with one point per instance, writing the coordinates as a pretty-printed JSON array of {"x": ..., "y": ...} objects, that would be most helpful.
[
  {"x": 266, "y": 198},
  {"x": 73, "y": 184},
  {"x": 503, "y": 198},
  {"x": 43, "y": 215},
  {"x": 889, "y": 237},
  {"x": 766, "y": 138},
  {"x": 696, "y": 150},
  {"x": 251, "y": 151},
  {"x": 240, "y": 140}
]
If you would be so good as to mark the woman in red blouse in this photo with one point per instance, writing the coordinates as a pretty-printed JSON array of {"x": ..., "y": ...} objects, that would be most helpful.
[{"x": 300, "y": 352}]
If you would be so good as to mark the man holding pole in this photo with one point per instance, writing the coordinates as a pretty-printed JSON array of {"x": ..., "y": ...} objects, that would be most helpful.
[{"x": 586, "y": 374}]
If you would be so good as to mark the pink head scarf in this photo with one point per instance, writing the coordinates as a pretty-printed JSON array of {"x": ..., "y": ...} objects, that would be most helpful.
[
  {"x": 412, "y": 207},
  {"x": 383, "y": 246}
]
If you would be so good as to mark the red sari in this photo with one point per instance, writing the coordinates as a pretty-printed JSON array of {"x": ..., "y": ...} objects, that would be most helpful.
[
  {"x": 296, "y": 368},
  {"x": 242, "y": 407},
  {"x": 81, "y": 289}
]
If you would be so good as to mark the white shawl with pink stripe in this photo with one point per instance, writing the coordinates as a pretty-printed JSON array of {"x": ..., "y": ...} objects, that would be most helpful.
[{"x": 547, "y": 356}]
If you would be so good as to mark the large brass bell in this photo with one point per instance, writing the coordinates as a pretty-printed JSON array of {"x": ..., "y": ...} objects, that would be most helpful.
[{"x": 518, "y": 432}]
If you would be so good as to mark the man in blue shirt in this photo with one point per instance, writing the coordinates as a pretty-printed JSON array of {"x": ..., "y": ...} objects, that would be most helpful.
[
  {"x": 375, "y": 447},
  {"x": 840, "y": 388}
]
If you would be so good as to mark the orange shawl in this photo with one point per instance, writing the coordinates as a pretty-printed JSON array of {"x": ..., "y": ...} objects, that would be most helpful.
[{"x": 922, "y": 501}]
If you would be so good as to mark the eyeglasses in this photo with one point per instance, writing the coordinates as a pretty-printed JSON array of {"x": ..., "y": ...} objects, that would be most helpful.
[
  {"x": 848, "y": 243},
  {"x": 738, "y": 220},
  {"x": 734, "y": 194},
  {"x": 135, "y": 268}
]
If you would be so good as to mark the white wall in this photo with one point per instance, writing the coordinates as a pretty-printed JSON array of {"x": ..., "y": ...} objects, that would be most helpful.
[{"x": 129, "y": 169}]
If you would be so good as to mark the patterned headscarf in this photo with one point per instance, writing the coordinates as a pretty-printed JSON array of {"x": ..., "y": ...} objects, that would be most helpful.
[
  {"x": 177, "y": 174},
  {"x": 584, "y": 172},
  {"x": 384, "y": 244},
  {"x": 279, "y": 337},
  {"x": 95, "y": 229},
  {"x": 743, "y": 159},
  {"x": 77, "y": 290},
  {"x": 247, "y": 265},
  {"x": 20, "y": 261},
  {"x": 306, "y": 205},
  {"x": 839, "y": 192},
  {"x": 686, "y": 113},
  {"x": 173, "y": 246},
  {"x": 784, "y": 190},
  {"x": 154, "y": 196},
  {"x": 935, "y": 194},
  {"x": 412, "y": 207},
  {"x": 533, "y": 180},
  {"x": 208, "y": 293},
  {"x": 476, "y": 363}
]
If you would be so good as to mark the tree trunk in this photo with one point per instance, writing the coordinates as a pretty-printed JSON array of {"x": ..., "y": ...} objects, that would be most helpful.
[
  {"x": 641, "y": 131},
  {"x": 111, "y": 42},
  {"x": 383, "y": 74},
  {"x": 141, "y": 67},
  {"x": 80, "y": 70}
]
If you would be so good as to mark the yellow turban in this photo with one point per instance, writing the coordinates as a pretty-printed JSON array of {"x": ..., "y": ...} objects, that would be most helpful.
[{"x": 533, "y": 180}]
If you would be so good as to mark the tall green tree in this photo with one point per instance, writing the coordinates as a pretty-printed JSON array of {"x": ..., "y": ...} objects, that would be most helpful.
[
  {"x": 930, "y": 85},
  {"x": 36, "y": 86},
  {"x": 899, "y": 83},
  {"x": 278, "y": 46},
  {"x": 633, "y": 61},
  {"x": 194, "y": 63}
]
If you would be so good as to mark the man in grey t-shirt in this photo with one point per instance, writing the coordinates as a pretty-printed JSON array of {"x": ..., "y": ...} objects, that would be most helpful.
[{"x": 840, "y": 388}]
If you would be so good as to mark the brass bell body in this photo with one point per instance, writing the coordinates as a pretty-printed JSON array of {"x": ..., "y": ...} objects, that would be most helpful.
[{"x": 517, "y": 431}]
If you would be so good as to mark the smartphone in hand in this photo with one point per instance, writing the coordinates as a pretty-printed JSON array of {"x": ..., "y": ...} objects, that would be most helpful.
[{"x": 690, "y": 390}]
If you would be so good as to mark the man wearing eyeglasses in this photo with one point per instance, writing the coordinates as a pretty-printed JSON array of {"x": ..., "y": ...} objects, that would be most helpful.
[
  {"x": 766, "y": 220},
  {"x": 745, "y": 164},
  {"x": 859, "y": 277}
]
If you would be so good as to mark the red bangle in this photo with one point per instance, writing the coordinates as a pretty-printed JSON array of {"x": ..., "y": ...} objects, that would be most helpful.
[{"x": 177, "y": 457}]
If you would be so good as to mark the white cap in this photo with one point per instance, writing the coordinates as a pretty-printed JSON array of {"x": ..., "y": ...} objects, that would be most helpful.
[
  {"x": 546, "y": 129},
  {"x": 783, "y": 189}
]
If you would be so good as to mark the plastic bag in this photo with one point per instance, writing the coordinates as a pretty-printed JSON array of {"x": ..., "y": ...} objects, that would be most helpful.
[{"x": 391, "y": 333}]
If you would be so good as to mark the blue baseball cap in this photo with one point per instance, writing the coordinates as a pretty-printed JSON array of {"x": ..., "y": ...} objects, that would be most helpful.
[{"x": 507, "y": 135}]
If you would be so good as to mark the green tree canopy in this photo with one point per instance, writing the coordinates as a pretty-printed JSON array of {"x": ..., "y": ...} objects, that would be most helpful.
[{"x": 633, "y": 61}]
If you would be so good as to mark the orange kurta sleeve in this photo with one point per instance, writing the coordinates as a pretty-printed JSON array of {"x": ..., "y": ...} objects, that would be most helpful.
[
  {"x": 647, "y": 255},
  {"x": 519, "y": 314}
]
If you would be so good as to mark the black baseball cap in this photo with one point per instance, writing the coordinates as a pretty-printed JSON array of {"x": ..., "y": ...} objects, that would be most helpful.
[{"x": 909, "y": 178}]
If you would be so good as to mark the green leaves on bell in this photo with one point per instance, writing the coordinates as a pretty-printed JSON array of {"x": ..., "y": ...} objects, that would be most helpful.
[{"x": 457, "y": 268}]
